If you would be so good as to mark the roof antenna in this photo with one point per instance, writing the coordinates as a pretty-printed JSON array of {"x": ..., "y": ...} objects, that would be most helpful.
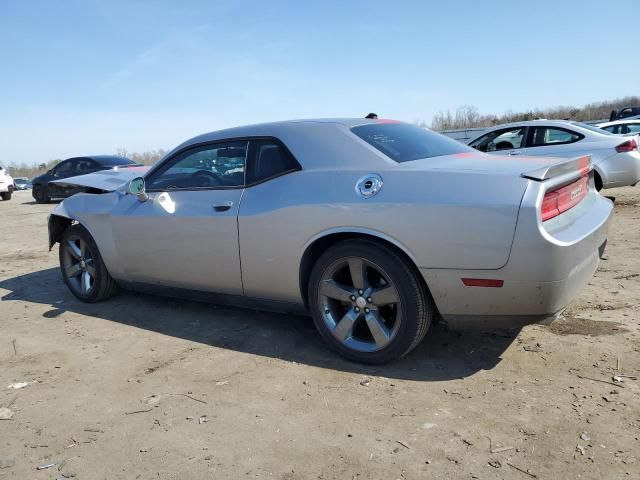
[{"x": 372, "y": 116}]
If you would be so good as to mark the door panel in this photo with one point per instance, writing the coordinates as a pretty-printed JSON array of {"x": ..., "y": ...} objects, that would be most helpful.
[
  {"x": 65, "y": 169},
  {"x": 554, "y": 142},
  {"x": 82, "y": 166},
  {"x": 183, "y": 239}
]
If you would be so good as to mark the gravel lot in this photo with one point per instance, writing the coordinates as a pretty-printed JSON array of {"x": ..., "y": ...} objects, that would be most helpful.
[{"x": 154, "y": 388}]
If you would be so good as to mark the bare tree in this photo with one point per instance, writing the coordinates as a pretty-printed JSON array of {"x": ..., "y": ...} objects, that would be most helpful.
[
  {"x": 122, "y": 152},
  {"x": 468, "y": 116}
]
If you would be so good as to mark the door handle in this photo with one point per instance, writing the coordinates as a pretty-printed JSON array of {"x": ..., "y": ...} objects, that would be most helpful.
[
  {"x": 222, "y": 206},
  {"x": 513, "y": 152}
]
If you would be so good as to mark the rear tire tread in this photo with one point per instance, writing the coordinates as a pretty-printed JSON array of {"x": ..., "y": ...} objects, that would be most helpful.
[{"x": 43, "y": 197}]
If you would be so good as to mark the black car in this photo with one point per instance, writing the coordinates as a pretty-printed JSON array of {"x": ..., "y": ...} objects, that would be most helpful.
[
  {"x": 625, "y": 112},
  {"x": 44, "y": 190}
]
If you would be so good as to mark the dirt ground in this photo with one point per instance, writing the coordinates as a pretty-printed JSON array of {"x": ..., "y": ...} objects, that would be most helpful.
[{"x": 154, "y": 388}]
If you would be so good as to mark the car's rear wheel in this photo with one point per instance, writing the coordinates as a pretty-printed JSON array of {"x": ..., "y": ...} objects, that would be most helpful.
[
  {"x": 82, "y": 267},
  {"x": 40, "y": 194},
  {"x": 6, "y": 195},
  {"x": 368, "y": 302},
  {"x": 597, "y": 180}
]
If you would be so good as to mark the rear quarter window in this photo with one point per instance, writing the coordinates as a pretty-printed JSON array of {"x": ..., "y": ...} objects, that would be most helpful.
[{"x": 403, "y": 142}]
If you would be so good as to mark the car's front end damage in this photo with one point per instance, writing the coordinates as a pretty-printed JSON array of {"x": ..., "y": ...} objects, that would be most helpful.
[{"x": 80, "y": 205}]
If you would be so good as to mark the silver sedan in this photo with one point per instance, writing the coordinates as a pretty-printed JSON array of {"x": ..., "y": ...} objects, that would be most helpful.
[
  {"x": 616, "y": 161},
  {"x": 372, "y": 226}
]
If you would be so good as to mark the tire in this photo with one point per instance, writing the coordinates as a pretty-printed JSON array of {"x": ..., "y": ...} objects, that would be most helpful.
[
  {"x": 40, "y": 194},
  {"x": 6, "y": 195},
  {"x": 597, "y": 180},
  {"x": 82, "y": 268},
  {"x": 391, "y": 313}
]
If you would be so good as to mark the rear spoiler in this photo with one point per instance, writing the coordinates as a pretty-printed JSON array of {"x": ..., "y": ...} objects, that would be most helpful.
[{"x": 581, "y": 165}]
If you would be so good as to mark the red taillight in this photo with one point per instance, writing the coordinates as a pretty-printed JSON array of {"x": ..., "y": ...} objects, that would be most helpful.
[
  {"x": 550, "y": 206},
  {"x": 628, "y": 146},
  {"x": 564, "y": 198}
]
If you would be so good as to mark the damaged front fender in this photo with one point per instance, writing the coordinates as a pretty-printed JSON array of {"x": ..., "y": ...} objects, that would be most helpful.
[
  {"x": 57, "y": 225},
  {"x": 59, "y": 220}
]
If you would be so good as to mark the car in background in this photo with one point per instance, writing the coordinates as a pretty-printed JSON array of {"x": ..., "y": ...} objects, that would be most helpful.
[
  {"x": 621, "y": 127},
  {"x": 21, "y": 183},
  {"x": 6, "y": 184},
  {"x": 372, "y": 226},
  {"x": 44, "y": 188},
  {"x": 626, "y": 112},
  {"x": 616, "y": 161}
]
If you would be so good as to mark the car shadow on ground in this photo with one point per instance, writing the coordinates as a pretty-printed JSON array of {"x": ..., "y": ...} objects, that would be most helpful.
[
  {"x": 443, "y": 355},
  {"x": 33, "y": 202}
]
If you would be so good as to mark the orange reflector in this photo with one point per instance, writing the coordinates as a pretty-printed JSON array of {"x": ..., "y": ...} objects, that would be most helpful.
[{"x": 483, "y": 282}]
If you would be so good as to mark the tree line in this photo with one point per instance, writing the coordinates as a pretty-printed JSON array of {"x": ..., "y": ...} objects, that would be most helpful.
[
  {"x": 469, "y": 117},
  {"x": 464, "y": 117}
]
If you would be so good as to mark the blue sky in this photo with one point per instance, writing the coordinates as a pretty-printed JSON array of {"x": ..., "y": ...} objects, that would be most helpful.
[{"x": 82, "y": 77}]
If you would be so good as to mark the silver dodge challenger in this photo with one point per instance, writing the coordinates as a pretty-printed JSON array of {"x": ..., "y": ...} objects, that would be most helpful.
[{"x": 372, "y": 226}]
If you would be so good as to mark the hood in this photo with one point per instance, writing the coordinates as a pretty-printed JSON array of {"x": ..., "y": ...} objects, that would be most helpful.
[{"x": 105, "y": 180}]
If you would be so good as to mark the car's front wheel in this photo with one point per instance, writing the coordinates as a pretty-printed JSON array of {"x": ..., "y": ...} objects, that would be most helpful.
[
  {"x": 40, "y": 194},
  {"x": 6, "y": 195},
  {"x": 368, "y": 302},
  {"x": 82, "y": 267}
]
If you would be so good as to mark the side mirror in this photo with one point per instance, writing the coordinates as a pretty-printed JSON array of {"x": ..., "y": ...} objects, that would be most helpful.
[{"x": 136, "y": 187}]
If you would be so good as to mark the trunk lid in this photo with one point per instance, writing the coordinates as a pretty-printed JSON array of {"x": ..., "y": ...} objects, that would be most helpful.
[{"x": 534, "y": 168}]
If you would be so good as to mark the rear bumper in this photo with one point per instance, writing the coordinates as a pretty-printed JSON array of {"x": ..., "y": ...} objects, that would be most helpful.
[
  {"x": 620, "y": 170},
  {"x": 6, "y": 187},
  {"x": 547, "y": 268}
]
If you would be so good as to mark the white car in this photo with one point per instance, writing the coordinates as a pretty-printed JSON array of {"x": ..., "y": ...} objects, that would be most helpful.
[
  {"x": 616, "y": 160},
  {"x": 621, "y": 127},
  {"x": 6, "y": 184}
]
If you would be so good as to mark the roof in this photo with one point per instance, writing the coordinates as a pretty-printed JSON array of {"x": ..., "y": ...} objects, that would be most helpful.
[
  {"x": 624, "y": 121},
  {"x": 275, "y": 127},
  {"x": 541, "y": 121},
  {"x": 105, "y": 159},
  {"x": 585, "y": 129},
  {"x": 321, "y": 142}
]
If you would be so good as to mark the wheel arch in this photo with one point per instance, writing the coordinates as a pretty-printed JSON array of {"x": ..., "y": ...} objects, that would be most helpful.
[
  {"x": 58, "y": 224},
  {"x": 598, "y": 179},
  {"x": 321, "y": 242}
]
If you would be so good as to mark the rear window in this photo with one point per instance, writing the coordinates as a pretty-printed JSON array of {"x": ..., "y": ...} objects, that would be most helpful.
[
  {"x": 403, "y": 142},
  {"x": 591, "y": 127}
]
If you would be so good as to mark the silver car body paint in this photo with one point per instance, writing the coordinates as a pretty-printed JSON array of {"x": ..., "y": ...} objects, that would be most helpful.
[
  {"x": 455, "y": 216},
  {"x": 615, "y": 169}
]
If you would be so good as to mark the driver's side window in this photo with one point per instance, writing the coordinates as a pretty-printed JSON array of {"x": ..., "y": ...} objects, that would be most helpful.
[
  {"x": 63, "y": 168},
  {"x": 221, "y": 165},
  {"x": 504, "y": 139}
]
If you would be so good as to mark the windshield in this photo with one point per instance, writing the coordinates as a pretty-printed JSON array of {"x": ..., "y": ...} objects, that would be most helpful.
[
  {"x": 591, "y": 127},
  {"x": 403, "y": 142}
]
